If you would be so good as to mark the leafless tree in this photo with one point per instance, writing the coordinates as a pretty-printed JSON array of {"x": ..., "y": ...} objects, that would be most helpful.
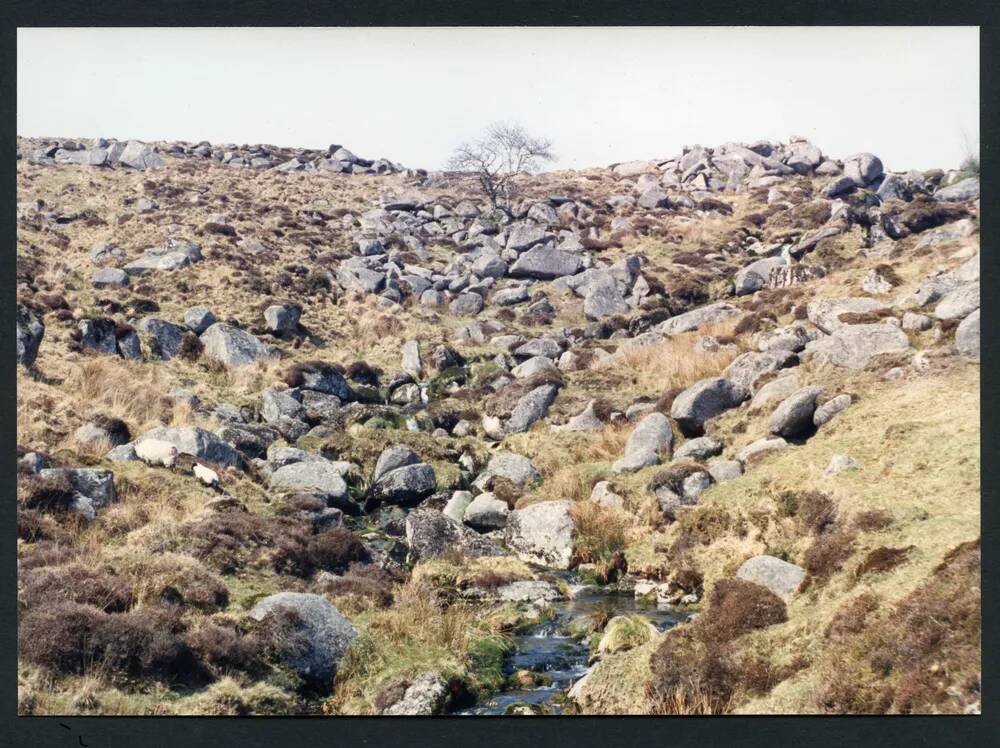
[{"x": 505, "y": 152}]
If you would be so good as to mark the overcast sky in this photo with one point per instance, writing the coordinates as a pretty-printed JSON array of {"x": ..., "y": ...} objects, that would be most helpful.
[{"x": 602, "y": 95}]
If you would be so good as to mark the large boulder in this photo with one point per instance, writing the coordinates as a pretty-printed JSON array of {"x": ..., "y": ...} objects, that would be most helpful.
[
  {"x": 544, "y": 263},
  {"x": 324, "y": 633},
  {"x": 406, "y": 485},
  {"x": 486, "y": 512},
  {"x": 163, "y": 339},
  {"x": 282, "y": 318},
  {"x": 746, "y": 369},
  {"x": 826, "y": 313},
  {"x": 853, "y": 346},
  {"x": 967, "y": 189},
  {"x": 532, "y": 406},
  {"x": 30, "y": 331},
  {"x": 425, "y": 695},
  {"x": 704, "y": 400},
  {"x": 513, "y": 467},
  {"x": 171, "y": 256},
  {"x": 698, "y": 318},
  {"x": 651, "y": 438},
  {"x": 754, "y": 276},
  {"x": 95, "y": 485},
  {"x": 542, "y": 533},
  {"x": 958, "y": 303},
  {"x": 430, "y": 534},
  {"x": 781, "y": 577},
  {"x": 863, "y": 168},
  {"x": 396, "y": 456},
  {"x": 794, "y": 415},
  {"x": 139, "y": 156},
  {"x": 197, "y": 442},
  {"x": 319, "y": 476},
  {"x": 232, "y": 346},
  {"x": 604, "y": 300},
  {"x": 967, "y": 336}
]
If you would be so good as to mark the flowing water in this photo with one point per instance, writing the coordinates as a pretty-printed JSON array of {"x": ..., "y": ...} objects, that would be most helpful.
[{"x": 548, "y": 648}]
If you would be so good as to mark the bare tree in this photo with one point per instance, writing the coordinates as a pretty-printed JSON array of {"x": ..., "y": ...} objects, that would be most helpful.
[{"x": 505, "y": 152}]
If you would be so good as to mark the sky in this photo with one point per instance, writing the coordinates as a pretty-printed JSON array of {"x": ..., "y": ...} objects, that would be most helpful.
[{"x": 601, "y": 95}]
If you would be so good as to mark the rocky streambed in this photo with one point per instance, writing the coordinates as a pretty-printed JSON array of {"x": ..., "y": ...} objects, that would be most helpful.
[{"x": 556, "y": 654}]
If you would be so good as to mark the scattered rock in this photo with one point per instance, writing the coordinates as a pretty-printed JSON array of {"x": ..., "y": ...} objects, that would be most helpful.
[
  {"x": 781, "y": 577},
  {"x": 542, "y": 533}
]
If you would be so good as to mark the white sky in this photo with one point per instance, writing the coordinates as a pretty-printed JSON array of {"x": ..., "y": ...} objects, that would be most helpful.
[{"x": 910, "y": 95}]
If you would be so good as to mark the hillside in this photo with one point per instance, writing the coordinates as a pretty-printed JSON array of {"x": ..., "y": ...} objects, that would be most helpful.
[{"x": 304, "y": 432}]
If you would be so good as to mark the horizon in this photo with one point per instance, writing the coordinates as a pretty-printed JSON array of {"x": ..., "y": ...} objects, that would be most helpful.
[{"x": 279, "y": 87}]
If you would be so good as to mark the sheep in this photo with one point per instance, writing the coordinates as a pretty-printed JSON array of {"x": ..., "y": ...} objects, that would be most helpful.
[
  {"x": 156, "y": 452},
  {"x": 207, "y": 476}
]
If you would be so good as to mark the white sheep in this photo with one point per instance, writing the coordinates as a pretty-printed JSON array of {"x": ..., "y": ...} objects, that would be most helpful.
[
  {"x": 207, "y": 476},
  {"x": 156, "y": 452}
]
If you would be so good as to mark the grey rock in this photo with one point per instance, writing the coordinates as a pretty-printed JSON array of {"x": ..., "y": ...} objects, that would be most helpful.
[
  {"x": 825, "y": 313},
  {"x": 704, "y": 400},
  {"x": 917, "y": 322},
  {"x": 511, "y": 296},
  {"x": 544, "y": 263},
  {"x": 163, "y": 339},
  {"x": 426, "y": 695},
  {"x": 853, "y": 346},
  {"x": 754, "y": 276},
  {"x": 958, "y": 303},
  {"x": 776, "y": 389},
  {"x": 466, "y": 304},
  {"x": 759, "y": 447},
  {"x": 602, "y": 301},
  {"x": 748, "y": 368},
  {"x": 430, "y": 534},
  {"x": 233, "y": 347},
  {"x": 30, "y": 332},
  {"x": 98, "y": 335},
  {"x": 531, "y": 407},
  {"x": 794, "y": 416},
  {"x": 967, "y": 336},
  {"x": 697, "y": 318},
  {"x": 863, "y": 168},
  {"x": 781, "y": 577},
  {"x": 396, "y": 456},
  {"x": 699, "y": 449},
  {"x": 410, "y": 353},
  {"x": 103, "y": 254},
  {"x": 198, "y": 319},
  {"x": 721, "y": 470},
  {"x": 325, "y": 633},
  {"x": 586, "y": 420},
  {"x": 455, "y": 508},
  {"x": 282, "y": 318},
  {"x": 140, "y": 156},
  {"x": 542, "y": 533},
  {"x": 109, "y": 278},
  {"x": 486, "y": 512},
  {"x": 320, "y": 476},
  {"x": 841, "y": 462},
  {"x": 826, "y": 412},
  {"x": 405, "y": 485},
  {"x": 197, "y": 442},
  {"x": 276, "y": 404},
  {"x": 532, "y": 366},
  {"x": 839, "y": 186},
  {"x": 513, "y": 467},
  {"x": 648, "y": 440},
  {"x": 967, "y": 189},
  {"x": 171, "y": 256},
  {"x": 603, "y": 494},
  {"x": 523, "y": 236},
  {"x": 97, "y": 485}
]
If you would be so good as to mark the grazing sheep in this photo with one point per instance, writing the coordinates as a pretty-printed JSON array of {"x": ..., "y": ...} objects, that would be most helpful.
[
  {"x": 207, "y": 476},
  {"x": 156, "y": 452}
]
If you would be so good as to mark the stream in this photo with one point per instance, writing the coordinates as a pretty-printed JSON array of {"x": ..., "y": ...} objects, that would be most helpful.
[{"x": 548, "y": 648}]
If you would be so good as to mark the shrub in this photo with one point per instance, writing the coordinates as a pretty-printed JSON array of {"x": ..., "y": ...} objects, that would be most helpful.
[
  {"x": 872, "y": 520},
  {"x": 334, "y": 550},
  {"x": 99, "y": 587},
  {"x": 47, "y": 553},
  {"x": 231, "y": 541},
  {"x": 882, "y": 559},
  {"x": 191, "y": 347},
  {"x": 828, "y": 553},
  {"x": 225, "y": 649},
  {"x": 817, "y": 511},
  {"x": 736, "y": 607},
  {"x": 364, "y": 373},
  {"x": 852, "y": 617},
  {"x": 367, "y": 581},
  {"x": 50, "y": 494}
]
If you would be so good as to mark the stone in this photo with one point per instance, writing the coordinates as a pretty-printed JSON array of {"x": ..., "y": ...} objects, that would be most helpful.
[
  {"x": 410, "y": 353},
  {"x": 653, "y": 197},
  {"x": 704, "y": 400},
  {"x": 648, "y": 440},
  {"x": 406, "y": 486},
  {"x": 841, "y": 462},
  {"x": 825, "y": 313},
  {"x": 748, "y": 368},
  {"x": 103, "y": 254},
  {"x": 853, "y": 346},
  {"x": 277, "y": 404},
  {"x": 319, "y": 476},
  {"x": 544, "y": 263},
  {"x": 198, "y": 319},
  {"x": 455, "y": 508},
  {"x": 967, "y": 189},
  {"x": 282, "y": 318},
  {"x": 721, "y": 470},
  {"x": 603, "y": 494},
  {"x": 171, "y": 256},
  {"x": 916, "y": 322},
  {"x": 542, "y": 533},
  {"x": 97, "y": 485},
  {"x": 794, "y": 415},
  {"x": 98, "y": 335},
  {"x": 700, "y": 448},
  {"x": 139, "y": 156},
  {"x": 759, "y": 447},
  {"x": 524, "y": 236},
  {"x": 697, "y": 318},
  {"x": 511, "y": 296},
  {"x": 486, "y": 512},
  {"x": 233, "y": 347},
  {"x": 426, "y": 695},
  {"x": 586, "y": 420},
  {"x": 958, "y": 303},
  {"x": 513, "y": 467},
  {"x": 199, "y": 443},
  {"x": 863, "y": 168},
  {"x": 109, "y": 278},
  {"x": 163, "y": 339},
  {"x": 875, "y": 282},
  {"x": 531, "y": 407},
  {"x": 781, "y": 577},
  {"x": 602, "y": 301},
  {"x": 967, "y": 336},
  {"x": 325, "y": 633},
  {"x": 838, "y": 186},
  {"x": 825, "y": 412},
  {"x": 754, "y": 276},
  {"x": 30, "y": 332},
  {"x": 466, "y": 304},
  {"x": 430, "y": 534},
  {"x": 776, "y": 389},
  {"x": 396, "y": 456}
]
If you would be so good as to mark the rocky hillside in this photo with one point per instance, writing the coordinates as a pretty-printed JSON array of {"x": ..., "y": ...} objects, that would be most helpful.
[{"x": 301, "y": 432}]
